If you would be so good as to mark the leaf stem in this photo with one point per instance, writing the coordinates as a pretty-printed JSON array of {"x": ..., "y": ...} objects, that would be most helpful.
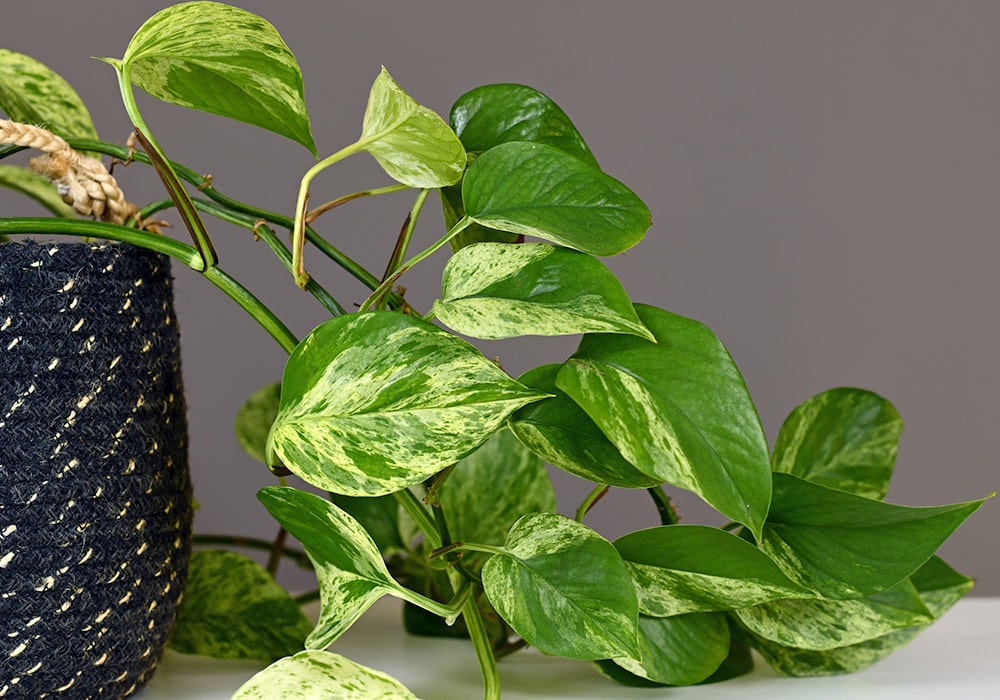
[
  {"x": 591, "y": 500},
  {"x": 449, "y": 611},
  {"x": 253, "y": 306},
  {"x": 314, "y": 214},
  {"x": 274, "y": 557},
  {"x": 416, "y": 510},
  {"x": 386, "y": 285},
  {"x": 664, "y": 506},
  {"x": 298, "y": 556},
  {"x": 406, "y": 234},
  {"x": 484, "y": 650}
]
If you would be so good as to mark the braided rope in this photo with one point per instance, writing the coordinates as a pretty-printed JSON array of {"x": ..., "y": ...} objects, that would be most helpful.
[{"x": 84, "y": 182}]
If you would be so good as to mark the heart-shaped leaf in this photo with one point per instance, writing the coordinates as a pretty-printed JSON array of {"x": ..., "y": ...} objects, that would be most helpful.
[
  {"x": 320, "y": 674},
  {"x": 27, "y": 182},
  {"x": 32, "y": 93},
  {"x": 220, "y": 59},
  {"x": 843, "y": 438},
  {"x": 254, "y": 420},
  {"x": 678, "y": 410},
  {"x": 538, "y": 190},
  {"x": 845, "y": 546},
  {"x": 689, "y": 568},
  {"x": 489, "y": 115},
  {"x": 492, "y": 488},
  {"x": 557, "y": 430},
  {"x": 498, "y": 290},
  {"x": 564, "y": 589},
  {"x": 412, "y": 143},
  {"x": 827, "y": 624},
  {"x": 349, "y": 566},
  {"x": 939, "y": 587},
  {"x": 234, "y": 609},
  {"x": 372, "y": 403},
  {"x": 679, "y": 650}
]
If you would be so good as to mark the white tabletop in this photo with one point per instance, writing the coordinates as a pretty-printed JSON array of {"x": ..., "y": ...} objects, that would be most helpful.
[{"x": 958, "y": 659}]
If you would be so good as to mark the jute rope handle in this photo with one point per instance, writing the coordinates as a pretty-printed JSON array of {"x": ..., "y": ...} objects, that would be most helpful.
[{"x": 84, "y": 183}]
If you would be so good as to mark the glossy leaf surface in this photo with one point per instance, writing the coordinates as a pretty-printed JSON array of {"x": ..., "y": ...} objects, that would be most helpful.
[
  {"x": 843, "y": 438},
  {"x": 564, "y": 589},
  {"x": 372, "y": 403},
  {"x": 678, "y": 410},
  {"x": 349, "y": 566},
  {"x": 537, "y": 190},
  {"x": 498, "y": 290},
  {"x": 234, "y": 609},
  {"x": 320, "y": 674},
  {"x": 220, "y": 59},
  {"x": 38, "y": 187},
  {"x": 827, "y": 624},
  {"x": 845, "y": 546},
  {"x": 939, "y": 587},
  {"x": 32, "y": 93},
  {"x": 490, "y": 115},
  {"x": 559, "y": 431},
  {"x": 254, "y": 420},
  {"x": 492, "y": 488},
  {"x": 378, "y": 515},
  {"x": 679, "y": 650},
  {"x": 412, "y": 143},
  {"x": 688, "y": 568}
]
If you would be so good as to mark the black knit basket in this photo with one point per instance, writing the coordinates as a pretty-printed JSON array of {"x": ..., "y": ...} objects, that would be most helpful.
[{"x": 95, "y": 493}]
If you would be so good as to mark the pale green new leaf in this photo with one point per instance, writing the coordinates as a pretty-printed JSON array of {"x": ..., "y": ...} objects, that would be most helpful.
[
  {"x": 939, "y": 586},
  {"x": 843, "y": 438},
  {"x": 311, "y": 675},
  {"x": 689, "y": 568},
  {"x": 352, "y": 574},
  {"x": 537, "y": 190},
  {"x": 492, "y": 488},
  {"x": 679, "y": 650},
  {"x": 499, "y": 290},
  {"x": 254, "y": 419},
  {"x": 32, "y": 93},
  {"x": 844, "y": 546},
  {"x": 564, "y": 589},
  {"x": 38, "y": 187},
  {"x": 412, "y": 143},
  {"x": 558, "y": 431},
  {"x": 678, "y": 410},
  {"x": 827, "y": 624},
  {"x": 372, "y": 403},
  {"x": 234, "y": 609},
  {"x": 224, "y": 60}
]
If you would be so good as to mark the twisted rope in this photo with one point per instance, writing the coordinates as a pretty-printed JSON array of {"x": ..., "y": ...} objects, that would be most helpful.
[{"x": 84, "y": 182}]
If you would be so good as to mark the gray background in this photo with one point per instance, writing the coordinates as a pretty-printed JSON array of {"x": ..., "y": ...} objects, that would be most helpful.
[{"x": 823, "y": 179}]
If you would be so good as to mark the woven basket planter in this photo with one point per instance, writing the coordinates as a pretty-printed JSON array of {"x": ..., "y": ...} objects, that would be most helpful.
[{"x": 95, "y": 493}]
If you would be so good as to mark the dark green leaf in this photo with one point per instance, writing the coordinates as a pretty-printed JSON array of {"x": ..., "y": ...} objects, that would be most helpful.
[
  {"x": 538, "y": 190},
  {"x": 678, "y": 410},
  {"x": 843, "y": 438},
  {"x": 233, "y": 609},
  {"x": 845, "y": 546},
  {"x": 490, "y": 489},
  {"x": 372, "y": 403},
  {"x": 490, "y": 115},
  {"x": 498, "y": 290},
  {"x": 558, "y": 430},
  {"x": 564, "y": 589},
  {"x": 32, "y": 93},
  {"x": 221, "y": 59},
  {"x": 254, "y": 419},
  {"x": 689, "y": 568},
  {"x": 680, "y": 650},
  {"x": 352, "y": 575}
]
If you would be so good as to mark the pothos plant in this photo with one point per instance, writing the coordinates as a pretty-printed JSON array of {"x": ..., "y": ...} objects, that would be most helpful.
[{"x": 434, "y": 458}]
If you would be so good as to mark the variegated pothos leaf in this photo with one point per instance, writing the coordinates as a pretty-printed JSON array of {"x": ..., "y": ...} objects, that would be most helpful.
[
  {"x": 499, "y": 290},
  {"x": 32, "y": 93},
  {"x": 372, "y": 403},
  {"x": 321, "y": 674},
  {"x": 412, "y": 143}
]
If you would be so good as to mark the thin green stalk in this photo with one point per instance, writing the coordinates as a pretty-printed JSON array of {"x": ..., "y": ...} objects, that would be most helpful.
[
  {"x": 477, "y": 547},
  {"x": 403, "y": 243},
  {"x": 298, "y": 556},
  {"x": 449, "y": 611},
  {"x": 462, "y": 224},
  {"x": 592, "y": 498},
  {"x": 416, "y": 510},
  {"x": 253, "y": 306},
  {"x": 484, "y": 650},
  {"x": 664, "y": 506},
  {"x": 314, "y": 214}
]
